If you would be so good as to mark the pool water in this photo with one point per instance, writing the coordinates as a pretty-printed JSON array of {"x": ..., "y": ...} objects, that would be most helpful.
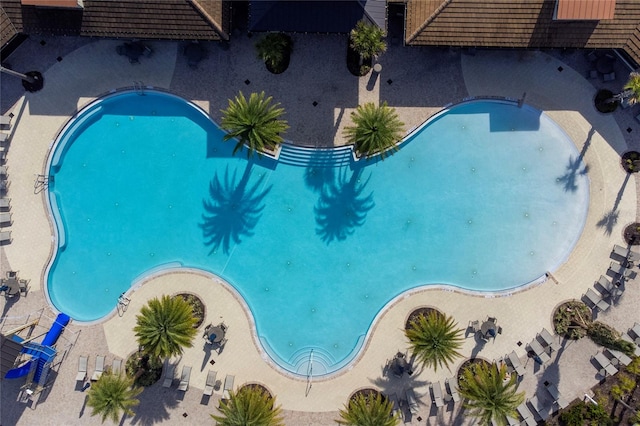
[{"x": 486, "y": 197}]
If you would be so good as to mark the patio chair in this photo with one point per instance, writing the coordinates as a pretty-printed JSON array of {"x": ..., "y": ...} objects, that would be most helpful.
[
  {"x": 5, "y": 203},
  {"x": 474, "y": 326},
  {"x": 4, "y": 137},
  {"x": 549, "y": 340},
  {"x": 5, "y": 218},
  {"x": 24, "y": 286},
  {"x": 515, "y": 363},
  {"x": 539, "y": 351},
  {"x": 436, "y": 390},
  {"x": 169, "y": 375},
  {"x": 97, "y": 373},
  {"x": 636, "y": 330},
  {"x": 557, "y": 397},
  {"x": 5, "y": 121},
  {"x": 5, "y": 236},
  {"x": 184, "y": 379},
  {"x": 605, "y": 364},
  {"x": 210, "y": 383},
  {"x": 452, "y": 389},
  {"x": 628, "y": 254},
  {"x": 116, "y": 366},
  {"x": 596, "y": 300},
  {"x": 620, "y": 357},
  {"x": 82, "y": 368},
  {"x": 592, "y": 56},
  {"x": 412, "y": 402},
  {"x": 3, "y": 170},
  {"x": 618, "y": 269},
  {"x": 526, "y": 414},
  {"x": 540, "y": 408},
  {"x": 228, "y": 386}
]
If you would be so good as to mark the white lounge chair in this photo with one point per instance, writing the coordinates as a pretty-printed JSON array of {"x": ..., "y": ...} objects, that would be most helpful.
[
  {"x": 116, "y": 367},
  {"x": 184, "y": 379},
  {"x": 4, "y": 137},
  {"x": 228, "y": 386},
  {"x": 82, "y": 369},
  {"x": 452, "y": 389},
  {"x": 537, "y": 349},
  {"x": 97, "y": 373},
  {"x": 436, "y": 390},
  {"x": 169, "y": 375},
  {"x": 5, "y": 203},
  {"x": 515, "y": 363},
  {"x": 619, "y": 269},
  {"x": 621, "y": 357},
  {"x": 541, "y": 409},
  {"x": 626, "y": 253},
  {"x": 5, "y": 236},
  {"x": 412, "y": 402},
  {"x": 596, "y": 300},
  {"x": 5, "y": 121},
  {"x": 557, "y": 397},
  {"x": 210, "y": 383},
  {"x": 549, "y": 340},
  {"x": 636, "y": 330},
  {"x": 605, "y": 364},
  {"x": 526, "y": 414},
  {"x": 5, "y": 217},
  {"x": 3, "y": 170}
]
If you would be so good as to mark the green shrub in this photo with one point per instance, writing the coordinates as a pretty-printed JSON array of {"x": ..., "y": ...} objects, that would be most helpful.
[
  {"x": 571, "y": 319},
  {"x": 574, "y": 416}
]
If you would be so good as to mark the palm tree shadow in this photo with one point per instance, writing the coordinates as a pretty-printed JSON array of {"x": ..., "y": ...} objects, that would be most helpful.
[
  {"x": 576, "y": 167},
  {"x": 155, "y": 405},
  {"x": 610, "y": 218},
  {"x": 342, "y": 207},
  {"x": 233, "y": 210}
]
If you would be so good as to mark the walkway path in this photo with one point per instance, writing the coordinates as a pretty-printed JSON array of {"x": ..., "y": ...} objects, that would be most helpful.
[{"x": 418, "y": 82}]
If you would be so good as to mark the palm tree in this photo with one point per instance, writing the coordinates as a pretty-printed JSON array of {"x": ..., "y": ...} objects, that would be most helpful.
[
  {"x": 274, "y": 50},
  {"x": 376, "y": 130},
  {"x": 489, "y": 394},
  {"x": 112, "y": 396},
  {"x": 165, "y": 326},
  {"x": 255, "y": 122},
  {"x": 434, "y": 339},
  {"x": 368, "y": 410},
  {"x": 251, "y": 405},
  {"x": 633, "y": 88},
  {"x": 368, "y": 40}
]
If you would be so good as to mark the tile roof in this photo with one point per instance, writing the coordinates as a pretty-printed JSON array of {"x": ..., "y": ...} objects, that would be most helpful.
[
  {"x": 518, "y": 24},
  {"x": 148, "y": 19}
]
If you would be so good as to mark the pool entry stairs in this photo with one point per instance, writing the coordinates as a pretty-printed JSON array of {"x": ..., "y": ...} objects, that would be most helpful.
[{"x": 311, "y": 157}]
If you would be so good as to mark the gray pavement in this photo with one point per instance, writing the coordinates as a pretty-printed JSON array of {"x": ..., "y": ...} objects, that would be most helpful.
[{"x": 416, "y": 81}]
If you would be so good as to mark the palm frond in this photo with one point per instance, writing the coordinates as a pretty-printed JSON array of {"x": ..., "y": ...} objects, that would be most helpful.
[
  {"x": 113, "y": 396},
  {"x": 435, "y": 339},
  {"x": 376, "y": 130},
  {"x": 368, "y": 410},
  {"x": 250, "y": 405}
]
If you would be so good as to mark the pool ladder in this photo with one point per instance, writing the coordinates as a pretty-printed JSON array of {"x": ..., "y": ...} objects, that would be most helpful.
[{"x": 138, "y": 86}]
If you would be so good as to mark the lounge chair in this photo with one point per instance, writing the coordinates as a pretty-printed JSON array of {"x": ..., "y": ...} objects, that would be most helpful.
[
  {"x": 4, "y": 185},
  {"x": 5, "y": 203},
  {"x": 228, "y": 386},
  {"x": 474, "y": 325},
  {"x": 412, "y": 402},
  {"x": 625, "y": 336},
  {"x": 4, "y": 137},
  {"x": 97, "y": 373},
  {"x": 621, "y": 357},
  {"x": 515, "y": 363},
  {"x": 557, "y": 396},
  {"x": 5, "y": 217},
  {"x": 512, "y": 422},
  {"x": 549, "y": 340},
  {"x": 628, "y": 254},
  {"x": 608, "y": 287},
  {"x": 605, "y": 364},
  {"x": 3, "y": 170},
  {"x": 82, "y": 369},
  {"x": 210, "y": 383},
  {"x": 636, "y": 330},
  {"x": 184, "y": 379},
  {"x": 116, "y": 367},
  {"x": 452, "y": 389},
  {"x": 539, "y": 351},
  {"x": 395, "y": 404},
  {"x": 436, "y": 390},
  {"x": 5, "y": 236},
  {"x": 169, "y": 375},
  {"x": 619, "y": 269},
  {"x": 5, "y": 121},
  {"x": 526, "y": 414},
  {"x": 540, "y": 408},
  {"x": 596, "y": 300}
]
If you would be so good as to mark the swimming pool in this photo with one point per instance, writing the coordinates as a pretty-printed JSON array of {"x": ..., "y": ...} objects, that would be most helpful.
[{"x": 486, "y": 197}]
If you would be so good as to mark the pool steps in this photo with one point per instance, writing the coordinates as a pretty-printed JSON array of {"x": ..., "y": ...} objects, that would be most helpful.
[{"x": 305, "y": 157}]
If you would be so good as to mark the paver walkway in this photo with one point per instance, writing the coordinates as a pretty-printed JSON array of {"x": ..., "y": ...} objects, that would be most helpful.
[{"x": 418, "y": 82}]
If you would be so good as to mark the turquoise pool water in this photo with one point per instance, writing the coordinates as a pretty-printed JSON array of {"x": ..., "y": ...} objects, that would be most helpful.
[{"x": 486, "y": 197}]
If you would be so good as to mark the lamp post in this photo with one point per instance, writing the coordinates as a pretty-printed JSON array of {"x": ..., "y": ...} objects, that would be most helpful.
[{"x": 32, "y": 81}]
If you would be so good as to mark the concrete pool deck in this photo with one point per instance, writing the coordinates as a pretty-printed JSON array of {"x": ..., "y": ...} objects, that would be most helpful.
[{"x": 416, "y": 81}]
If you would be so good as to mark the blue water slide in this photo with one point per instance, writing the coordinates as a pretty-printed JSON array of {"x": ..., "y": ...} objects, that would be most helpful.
[{"x": 41, "y": 353}]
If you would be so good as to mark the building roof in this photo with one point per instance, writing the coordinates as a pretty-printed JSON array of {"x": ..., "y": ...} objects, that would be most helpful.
[
  {"x": 147, "y": 19},
  {"x": 519, "y": 24},
  {"x": 585, "y": 9},
  {"x": 314, "y": 16},
  {"x": 9, "y": 352}
]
